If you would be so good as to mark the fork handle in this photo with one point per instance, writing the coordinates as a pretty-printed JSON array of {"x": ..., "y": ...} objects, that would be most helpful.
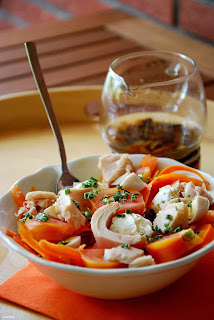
[{"x": 32, "y": 55}]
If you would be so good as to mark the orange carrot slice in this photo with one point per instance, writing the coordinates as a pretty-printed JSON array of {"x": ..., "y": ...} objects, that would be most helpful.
[
  {"x": 29, "y": 239},
  {"x": 173, "y": 246},
  {"x": 93, "y": 258},
  {"x": 18, "y": 195},
  {"x": 206, "y": 232},
  {"x": 182, "y": 168},
  {"x": 147, "y": 166},
  {"x": 51, "y": 230},
  {"x": 62, "y": 251}
]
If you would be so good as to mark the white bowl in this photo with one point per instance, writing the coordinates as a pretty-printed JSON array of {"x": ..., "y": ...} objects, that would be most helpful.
[{"x": 98, "y": 283}]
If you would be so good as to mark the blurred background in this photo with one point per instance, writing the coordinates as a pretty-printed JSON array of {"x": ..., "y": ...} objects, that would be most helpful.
[{"x": 194, "y": 17}]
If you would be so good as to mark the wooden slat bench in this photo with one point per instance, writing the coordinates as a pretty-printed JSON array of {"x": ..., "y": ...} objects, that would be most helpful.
[{"x": 80, "y": 50}]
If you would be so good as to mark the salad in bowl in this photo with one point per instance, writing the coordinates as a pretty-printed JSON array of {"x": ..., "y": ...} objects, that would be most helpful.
[{"x": 136, "y": 216}]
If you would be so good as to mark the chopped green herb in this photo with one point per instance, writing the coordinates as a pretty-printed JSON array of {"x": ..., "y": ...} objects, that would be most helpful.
[
  {"x": 63, "y": 243},
  {"x": 90, "y": 195},
  {"x": 140, "y": 176},
  {"x": 67, "y": 191},
  {"x": 88, "y": 214},
  {"x": 125, "y": 193},
  {"x": 188, "y": 196},
  {"x": 172, "y": 198},
  {"x": 42, "y": 216},
  {"x": 176, "y": 208},
  {"x": 142, "y": 233},
  {"x": 91, "y": 182},
  {"x": 157, "y": 237},
  {"x": 40, "y": 256},
  {"x": 197, "y": 232},
  {"x": 120, "y": 197},
  {"x": 147, "y": 180},
  {"x": 106, "y": 200},
  {"x": 156, "y": 229},
  {"x": 166, "y": 224},
  {"x": 76, "y": 203},
  {"x": 25, "y": 216},
  {"x": 125, "y": 246},
  {"x": 168, "y": 230},
  {"x": 178, "y": 200},
  {"x": 133, "y": 197},
  {"x": 96, "y": 191},
  {"x": 119, "y": 187},
  {"x": 188, "y": 204},
  {"x": 128, "y": 211},
  {"x": 177, "y": 229},
  {"x": 120, "y": 215},
  {"x": 168, "y": 217}
]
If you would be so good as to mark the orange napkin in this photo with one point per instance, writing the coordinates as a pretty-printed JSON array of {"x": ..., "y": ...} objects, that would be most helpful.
[{"x": 191, "y": 297}]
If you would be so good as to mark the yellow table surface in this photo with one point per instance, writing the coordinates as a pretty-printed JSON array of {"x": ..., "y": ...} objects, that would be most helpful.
[{"x": 27, "y": 144}]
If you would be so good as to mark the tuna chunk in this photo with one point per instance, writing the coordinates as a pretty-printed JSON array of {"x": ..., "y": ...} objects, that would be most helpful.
[
  {"x": 65, "y": 210},
  {"x": 43, "y": 199},
  {"x": 113, "y": 166},
  {"x": 122, "y": 255},
  {"x": 191, "y": 191},
  {"x": 105, "y": 238},
  {"x": 172, "y": 216},
  {"x": 143, "y": 261}
]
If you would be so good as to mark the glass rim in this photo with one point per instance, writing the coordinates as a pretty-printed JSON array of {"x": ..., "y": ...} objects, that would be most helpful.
[{"x": 153, "y": 53}]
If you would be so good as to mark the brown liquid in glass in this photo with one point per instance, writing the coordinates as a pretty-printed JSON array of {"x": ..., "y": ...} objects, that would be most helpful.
[{"x": 159, "y": 134}]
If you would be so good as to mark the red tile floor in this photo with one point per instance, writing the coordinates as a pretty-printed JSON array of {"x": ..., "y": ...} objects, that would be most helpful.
[{"x": 21, "y": 13}]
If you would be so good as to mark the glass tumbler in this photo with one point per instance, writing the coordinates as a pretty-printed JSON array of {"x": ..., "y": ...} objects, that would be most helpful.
[{"x": 154, "y": 103}]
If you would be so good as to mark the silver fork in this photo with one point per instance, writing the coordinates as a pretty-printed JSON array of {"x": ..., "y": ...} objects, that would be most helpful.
[{"x": 66, "y": 179}]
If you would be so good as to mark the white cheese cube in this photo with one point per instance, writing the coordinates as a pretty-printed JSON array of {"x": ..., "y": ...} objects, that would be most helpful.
[
  {"x": 122, "y": 255},
  {"x": 133, "y": 181},
  {"x": 199, "y": 207}
]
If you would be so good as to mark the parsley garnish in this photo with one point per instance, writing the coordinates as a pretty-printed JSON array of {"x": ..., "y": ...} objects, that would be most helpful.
[
  {"x": 42, "y": 216},
  {"x": 90, "y": 195},
  {"x": 128, "y": 211},
  {"x": 178, "y": 200},
  {"x": 121, "y": 197},
  {"x": 188, "y": 204},
  {"x": 133, "y": 197},
  {"x": 76, "y": 203},
  {"x": 178, "y": 229},
  {"x": 67, "y": 191},
  {"x": 25, "y": 216},
  {"x": 156, "y": 229},
  {"x": 125, "y": 246},
  {"x": 91, "y": 182},
  {"x": 147, "y": 180},
  {"x": 120, "y": 215},
  {"x": 119, "y": 187},
  {"x": 88, "y": 214},
  {"x": 106, "y": 200},
  {"x": 168, "y": 217},
  {"x": 157, "y": 237},
  {"x": 63, "y": 243},
  {"x": 168, "y": 230}
]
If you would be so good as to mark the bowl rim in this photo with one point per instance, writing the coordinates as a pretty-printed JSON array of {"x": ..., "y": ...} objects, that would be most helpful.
[{"x": 92, "y": 271}]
